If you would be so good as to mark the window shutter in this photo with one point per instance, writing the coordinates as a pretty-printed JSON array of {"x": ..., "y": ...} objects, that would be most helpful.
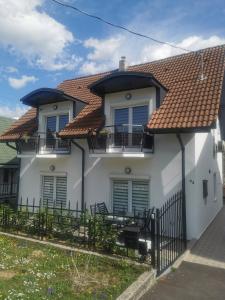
[
  {"x": 121, "y": 116},
  {"x": 140, "y": 195},
  {"x": 140, "y": 115},
  {"x": 120, "y": 196},
  {"x": 61, "y": 191},
  {"x": 51, "y": 124},
  {"x": 47, "y": 190},
  {"x": 63, "y": 121}
]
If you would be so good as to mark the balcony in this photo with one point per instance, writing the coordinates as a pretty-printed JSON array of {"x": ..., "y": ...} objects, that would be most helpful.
[
  {"x": 43, "y": 145},
  {"x": 8, "y": 190},
  {"x": 121, "y": 141}
]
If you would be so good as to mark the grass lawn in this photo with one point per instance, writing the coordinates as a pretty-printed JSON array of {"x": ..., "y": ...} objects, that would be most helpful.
[{"x": 33, "y": 271}]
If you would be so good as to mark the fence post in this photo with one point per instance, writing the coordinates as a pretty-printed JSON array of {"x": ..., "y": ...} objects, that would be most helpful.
[
  {"x": 46, "y": 219},
  {"x": 158, "y": 239},
  {"x": 152, "y": 226},
  {"x": 33, "y": 205}
]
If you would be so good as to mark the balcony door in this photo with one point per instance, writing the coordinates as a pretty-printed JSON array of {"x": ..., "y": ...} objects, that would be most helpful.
[
  {"x": 51, "y": 130},
  {"x": 53, "y": 125},
  {"x": 128, "y": 125}
]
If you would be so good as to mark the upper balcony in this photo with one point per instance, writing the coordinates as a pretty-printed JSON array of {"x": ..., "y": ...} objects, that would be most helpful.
[
  {"x": 43, "y": 146},
  {"x": 121, "y": 141}
]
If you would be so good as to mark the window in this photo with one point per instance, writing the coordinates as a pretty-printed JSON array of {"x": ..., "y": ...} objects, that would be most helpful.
[
  {"x": 5, "y": 175},
  {"x": 56, "y": 123},
  {"x": 51, "y": 124},
  {"x": 54, "y": 190},
  {"x": 130, "y": 195},
  {"x": 128, "y": 125},
  {"x": 63, "y": 121},
  {"x": 137, "y": 115}
]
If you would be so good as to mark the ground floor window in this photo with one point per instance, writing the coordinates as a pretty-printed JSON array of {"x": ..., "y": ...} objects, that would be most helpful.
[
  {"x": 54, "y": 190},
  {"x": 130, "y": 195}
]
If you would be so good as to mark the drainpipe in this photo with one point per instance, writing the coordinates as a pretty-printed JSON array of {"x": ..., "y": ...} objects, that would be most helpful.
[
  {"x": 82, "y": 171},
  {"x": 184, "y": 217}
]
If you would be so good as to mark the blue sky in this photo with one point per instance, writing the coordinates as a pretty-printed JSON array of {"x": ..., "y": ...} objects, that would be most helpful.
[{"x": 42, "y": 44}]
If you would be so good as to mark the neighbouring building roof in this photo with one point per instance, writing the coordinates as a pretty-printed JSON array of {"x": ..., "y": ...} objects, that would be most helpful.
[
  {"x": 189, "y": 104},
  {"x": 7, "y": 155}
]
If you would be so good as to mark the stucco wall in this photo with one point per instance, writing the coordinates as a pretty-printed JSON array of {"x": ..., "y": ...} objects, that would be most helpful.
[
  {"x": 163, "y": 170},
  {"x": 145, "y": 96}
]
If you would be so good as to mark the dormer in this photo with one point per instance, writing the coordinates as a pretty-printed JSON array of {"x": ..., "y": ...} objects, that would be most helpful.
[
  {"x": 55, "y": 109},
  {"x": 129, "y": 99}
]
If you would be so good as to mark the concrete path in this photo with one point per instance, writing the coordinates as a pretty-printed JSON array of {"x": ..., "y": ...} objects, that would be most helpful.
[{"x": 201, "y": 276}]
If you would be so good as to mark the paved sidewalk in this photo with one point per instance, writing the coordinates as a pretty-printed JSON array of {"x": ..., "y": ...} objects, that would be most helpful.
[
  {"x": 201, "y": 276},
  {"x": 210, "y": 248}
]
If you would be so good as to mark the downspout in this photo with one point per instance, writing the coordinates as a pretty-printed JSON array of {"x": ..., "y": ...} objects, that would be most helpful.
[
  {"x": 82, "y": 171},
  {"x": 184, "y": 217}
]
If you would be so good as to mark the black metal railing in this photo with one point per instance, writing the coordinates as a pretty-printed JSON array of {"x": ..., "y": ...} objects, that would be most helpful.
[
  {"x": 169, "y": 233},
  {"x": 8, "y": 189},
  {"x": 154, "y": 234},
  {"x": 43, "y": 144},
  {"x": 103, "y": 232},
  {"x": 119, "y": 138}
]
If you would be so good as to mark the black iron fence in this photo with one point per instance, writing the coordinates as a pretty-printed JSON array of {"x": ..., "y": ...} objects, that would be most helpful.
[
  {"x": 111, "y": 233},
  {"x": 169, "y": 240},
  {"x": 157, "y": 236}
]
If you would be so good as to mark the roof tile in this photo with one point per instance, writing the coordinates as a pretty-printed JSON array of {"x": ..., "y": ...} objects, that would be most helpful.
[{"x": 189, "y": 102}]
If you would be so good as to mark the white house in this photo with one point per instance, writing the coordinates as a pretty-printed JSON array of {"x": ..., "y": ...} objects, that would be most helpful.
[{"x": 129, "y": 138}]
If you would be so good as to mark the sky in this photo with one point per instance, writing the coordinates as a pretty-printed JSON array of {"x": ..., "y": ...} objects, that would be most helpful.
[{"x": 42, "y": 44}]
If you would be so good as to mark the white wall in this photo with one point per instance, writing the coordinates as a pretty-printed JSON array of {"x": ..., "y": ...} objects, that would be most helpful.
[
  {"x": 163, "y": 170},
  {"x": 207, "y": 162},
  {"x": 146, "y": 96}
]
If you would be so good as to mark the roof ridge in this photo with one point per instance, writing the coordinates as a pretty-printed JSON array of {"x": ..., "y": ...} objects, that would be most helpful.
[{"x": 145, "y": 63}]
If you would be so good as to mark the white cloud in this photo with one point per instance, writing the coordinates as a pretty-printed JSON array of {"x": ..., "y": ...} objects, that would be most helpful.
[
  {"x": 27, "y": 31},
  {"x": 194, "y": 43},
  {"x": 18, "y": 83},
  {"x": 11, "y": 69},
  {"x": 105, "y": 53},
  {"x": 13, "y": 113}
]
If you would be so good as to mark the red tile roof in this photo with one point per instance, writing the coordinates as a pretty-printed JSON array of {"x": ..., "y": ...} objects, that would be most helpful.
[
  {"x": 189, "y": 103},
  {"x": 26, "y": 125}
]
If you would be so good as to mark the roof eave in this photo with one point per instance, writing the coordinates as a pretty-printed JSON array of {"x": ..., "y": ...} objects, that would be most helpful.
[{"x": 48, "y": 95}]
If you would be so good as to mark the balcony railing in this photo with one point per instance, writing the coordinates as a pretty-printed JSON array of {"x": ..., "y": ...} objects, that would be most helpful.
[
  {"x": 43, "y": 144},
  {"x": 8, "y": 189},
  {"x": 122, "y": 138}
]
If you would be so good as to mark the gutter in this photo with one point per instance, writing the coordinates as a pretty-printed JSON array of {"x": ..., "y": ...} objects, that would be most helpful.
[
  {"x": 82, "y": 171},
  {"x": 184, "y": 217}
]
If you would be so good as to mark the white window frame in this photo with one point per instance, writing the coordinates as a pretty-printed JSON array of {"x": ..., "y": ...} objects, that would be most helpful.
[
  {"x": 57, "y": 119},
  {"x": 54, "y": 185},
  {"x": 130, "y": 114},
  {"x": 130, "y": 179}
]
